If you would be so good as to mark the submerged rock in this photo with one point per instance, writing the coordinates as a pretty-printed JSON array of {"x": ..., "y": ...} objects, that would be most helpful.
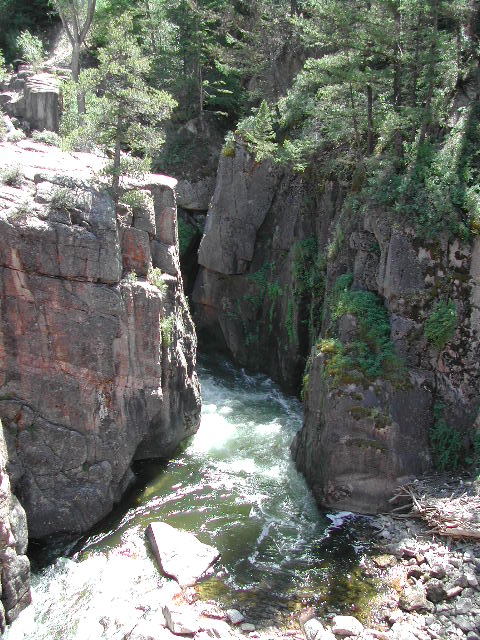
[{"x": 179, "y": 553}]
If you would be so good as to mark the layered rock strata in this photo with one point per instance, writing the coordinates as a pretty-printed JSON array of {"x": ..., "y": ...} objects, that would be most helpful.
[
  {"x": 33, "y": 98},
  {"x": 97, "y": 360}
]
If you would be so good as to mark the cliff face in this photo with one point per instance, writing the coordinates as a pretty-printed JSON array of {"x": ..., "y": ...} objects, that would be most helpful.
[
  {"x": 97, "y": 363},
  {"x": 246, "y": 291},
  {"x": 15, "y": 575},
  {"x": 290, "y": 271}
]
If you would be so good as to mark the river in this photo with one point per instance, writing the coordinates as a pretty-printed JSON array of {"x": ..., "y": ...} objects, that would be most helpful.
[{"x": 235, "y": 486}]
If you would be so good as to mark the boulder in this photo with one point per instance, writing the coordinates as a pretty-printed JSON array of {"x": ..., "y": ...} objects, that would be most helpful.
[
  {"x": 181, "y": 620},
  {"x": 179, "y": 553},
  {"x": 195, "y": 195},
  {"x": 345, "y": 626},
  {"x": 235, "y": 616},
  {"x": 414, "y": 599},
  {"x": 313, "y": 629}
]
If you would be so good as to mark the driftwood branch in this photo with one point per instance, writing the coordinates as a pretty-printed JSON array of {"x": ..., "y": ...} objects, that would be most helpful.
[{"x": 450, "y": 508}]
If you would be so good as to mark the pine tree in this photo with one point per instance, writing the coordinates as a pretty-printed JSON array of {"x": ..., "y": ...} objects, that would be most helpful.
[{"x": 124, "y": 113}]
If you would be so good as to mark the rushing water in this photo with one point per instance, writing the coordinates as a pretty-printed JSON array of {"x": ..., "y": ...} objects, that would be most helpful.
[{"x": 236, "y": 487}]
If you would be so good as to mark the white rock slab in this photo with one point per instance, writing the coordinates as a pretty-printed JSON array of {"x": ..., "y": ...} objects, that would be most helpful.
[
  {"x": 179, "y": 553},
  {"x": 346, "y": 626},
  {"x": 235, "y": 616},
  {"x": 181, "y": 621}
]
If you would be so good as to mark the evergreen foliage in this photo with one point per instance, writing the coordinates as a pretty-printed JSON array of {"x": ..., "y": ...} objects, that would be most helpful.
[
  {"x": 123, "y": 113},
  {"x": 440, "y": 326},
  {"x": 445, "y": 442},
  {"x": 370, "y": 353}
]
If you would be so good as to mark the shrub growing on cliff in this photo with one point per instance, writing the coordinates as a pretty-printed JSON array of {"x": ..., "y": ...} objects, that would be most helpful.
[
  {"x": 166, "y": 329},
  {"x": 30, "y": 48},
  {"x": 12, "y": 176},
  {"x": 257, "y": 131},
  {"x": 370, "y": 352},
  {"x": 154, "y": 276},
  {"x": 445, "y": 442},
  {"x": 122, "y": 111},
  {"x": 441, "y": 325}
]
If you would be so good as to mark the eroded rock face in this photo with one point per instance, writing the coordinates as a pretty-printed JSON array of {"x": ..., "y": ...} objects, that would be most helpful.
[
  {"x": 33, "y": 98},
  {"x": 97, "y": 366},
  {"x": 274, "y": 246},
  {"x": 15, "y": 574},
  {"x": 245, "y": 292}
]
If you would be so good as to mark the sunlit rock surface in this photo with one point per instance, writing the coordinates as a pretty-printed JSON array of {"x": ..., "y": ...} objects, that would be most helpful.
[{"x": 97, "y": 365}]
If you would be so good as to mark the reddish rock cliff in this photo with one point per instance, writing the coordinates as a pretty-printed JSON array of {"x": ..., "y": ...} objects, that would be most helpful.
[{"x": 97, "y": 365}]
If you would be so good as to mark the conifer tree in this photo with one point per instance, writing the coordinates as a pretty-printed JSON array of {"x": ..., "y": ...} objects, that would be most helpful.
[{"x": 124, "y": 113}]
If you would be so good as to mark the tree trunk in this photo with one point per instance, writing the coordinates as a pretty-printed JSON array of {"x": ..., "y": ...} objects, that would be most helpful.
[
  {"x": 355, "y": 124},
  {"x": 75, "y": 76},
  {"x": 431, "y": 75},
  {"x": 117, "y": 161},
  {"x": 370, "y": 141},
  {"x": 397, "y": 83},
  {"x": 152, "y": 30},
  {"x": 201, "y": 97}
]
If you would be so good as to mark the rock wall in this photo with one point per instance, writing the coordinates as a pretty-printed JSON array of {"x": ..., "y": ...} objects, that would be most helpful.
[
  {"x": 15, "y": 566},
  {"x": 33, "y": 98},
  {"x": 274, "y": 247},
  {"x": 97, "y": 362}
]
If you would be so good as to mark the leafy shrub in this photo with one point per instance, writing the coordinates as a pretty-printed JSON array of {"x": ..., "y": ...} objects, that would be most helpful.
[
  {"x": 31, "y": 49},
  {"x": 334, "y": 247},
  {"x": 132, "y": 277},
  {"x": 47, "y": 137},
  {"x": 3, "y": 70},
  {"x": 309, "y": 268},
  {"x": 257, "y": 131},
  {"x": 371, "y": 353},
  {"x": 15, "y": 136},
  {"x": 62, "y": 199},
  {"x": 186, "y": 233},
  {"x": 228, "y": 149},
  {"x": 441, "y": 325},
  {"x": 22, "y": 210},
  {"x": 166, "y": 328},
  {"x": 12, "y": 176},
  {"x": 154, "y": 276},
  {"x": 138, "y": 199},
  {"x": 445, "y": 442}
]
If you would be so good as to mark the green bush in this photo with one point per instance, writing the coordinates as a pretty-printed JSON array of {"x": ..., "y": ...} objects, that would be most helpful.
[
  {"x": 445, "y": 442},
  {"x": 12, "y": 176},
  {"x": 31, "y": 49},
  {"x": 138, "y": 199},
  {"x": 370, "y": 354},
  {"x": 132, "y": 277},
  {"x": 186, "y": 233},
  {"x": 47, "y": 137},
  {"x": 15, "y": 136},
  {"x": 62, "y": 199},
  {"x": 154, "y": 276},
  {"x": 166, "y": 329},
  {"x": 228, "y": 149},
  {"x": 441, "y": 325}
]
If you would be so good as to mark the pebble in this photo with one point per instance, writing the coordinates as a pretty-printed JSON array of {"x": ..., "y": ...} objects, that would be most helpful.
[{"x": 246, "y": 627}]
